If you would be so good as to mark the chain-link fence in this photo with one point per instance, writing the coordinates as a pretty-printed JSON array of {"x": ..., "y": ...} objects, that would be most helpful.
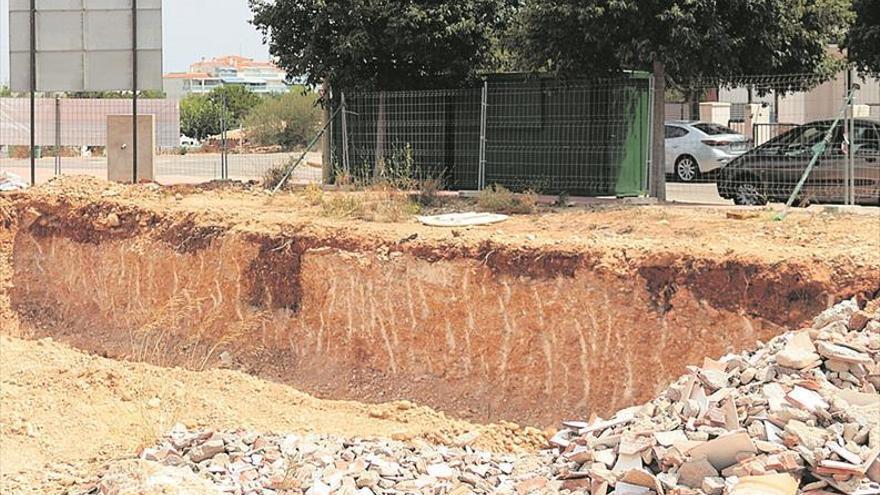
[
  {"x": 588, "y": 137},
  {"x": 753, "y": 142},
  {"x": 766, "y": 137},
  {"x": 71, "y": 139}
]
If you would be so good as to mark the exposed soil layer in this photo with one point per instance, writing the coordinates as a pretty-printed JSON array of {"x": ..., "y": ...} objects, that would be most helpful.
[{"x": 544, "y": 317}]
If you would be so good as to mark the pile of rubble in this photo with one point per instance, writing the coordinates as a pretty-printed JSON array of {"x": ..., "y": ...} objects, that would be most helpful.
[
  {"x": 801, "y": 414},
  {"x": 244, "y": 462}
]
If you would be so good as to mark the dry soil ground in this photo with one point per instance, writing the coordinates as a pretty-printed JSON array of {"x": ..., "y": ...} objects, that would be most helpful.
[{"x": 63, "y": 413}]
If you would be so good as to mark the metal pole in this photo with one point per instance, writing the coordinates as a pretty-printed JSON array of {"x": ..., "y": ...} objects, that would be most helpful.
[
  {"x": 484, "y": 107},
  {"x": 57, "y": 135},
  {"x": 134, "y": 91},
  {"x": 646, "y": 175},
  {"x": 848, "y": 132},
  {"x": 851, "y": 162},
  {"x": 33, "y": 92},
  {"x": 224, "y": 171}
]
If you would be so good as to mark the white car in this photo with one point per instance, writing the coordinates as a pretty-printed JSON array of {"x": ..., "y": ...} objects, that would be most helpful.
[
  {"x": 188, "y": 142},
  {"x": 696, "y": 148}
]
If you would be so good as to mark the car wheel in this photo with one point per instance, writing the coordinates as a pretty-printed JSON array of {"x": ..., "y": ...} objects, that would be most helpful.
[
  {"x": 687, "y": 169},
  {"x": 748, "y": 192}
]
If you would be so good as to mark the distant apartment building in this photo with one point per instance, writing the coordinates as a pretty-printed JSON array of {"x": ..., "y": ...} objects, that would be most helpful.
[{"x": 207, "y": 74}]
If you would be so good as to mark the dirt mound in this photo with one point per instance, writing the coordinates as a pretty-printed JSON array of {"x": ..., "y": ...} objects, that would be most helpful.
[{"x": 64, "y": 413}]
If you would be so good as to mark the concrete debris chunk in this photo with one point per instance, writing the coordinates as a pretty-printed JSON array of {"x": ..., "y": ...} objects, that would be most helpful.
[
  {"x": 799, "y": 415},
  {"x": 242, "y": 462},
  {"x": 795, "y": 416},
  {"x": 692, "y": 473}
]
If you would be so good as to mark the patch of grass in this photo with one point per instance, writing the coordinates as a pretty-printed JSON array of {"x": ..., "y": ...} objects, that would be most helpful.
[
  {"x": 314, "y": 195},
  {"x": 376, "y": 204},
  {"x": 499, "y": 199}
]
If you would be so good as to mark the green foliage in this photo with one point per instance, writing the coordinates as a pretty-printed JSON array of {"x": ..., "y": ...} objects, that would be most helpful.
[
  {"x": 5, "y": 91},
  {"x": 863, "y": 42},
  {"x": 399, "y": 170},
  {"x": 237, "y": 100},
  {"x": 200, "y": 117},
  {"x": 116, "y": 95},
  {"x": 392, "y": 44},
  {"x": 696, "y": 39},
  {"x": 289, "y": 120}
]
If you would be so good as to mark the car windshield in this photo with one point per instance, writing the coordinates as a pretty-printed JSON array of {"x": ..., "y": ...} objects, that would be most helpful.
[
  {"x": 714, "y": 129},
  {"x": 800, "y": 140}
]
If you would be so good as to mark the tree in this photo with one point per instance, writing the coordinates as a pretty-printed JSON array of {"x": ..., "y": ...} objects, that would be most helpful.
[
  {"x": 237, "y": 100},
  {"x": 384, "y": 44},
  {"x": 5, "y": 92},
  {"x": 863, "y": 42},
  {"x": 200, "y": 117},
  {"x": 698, "y": 40},
  {"x": 117, "y": 95},
  {"x": 289, "y": 120}
]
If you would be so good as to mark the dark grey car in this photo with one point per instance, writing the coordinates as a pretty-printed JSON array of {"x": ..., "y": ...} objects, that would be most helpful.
[{"x": 770, "y": 172}]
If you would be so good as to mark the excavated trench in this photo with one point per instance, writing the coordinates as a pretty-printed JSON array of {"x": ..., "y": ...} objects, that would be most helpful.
[{"x": 486, "y": 332}]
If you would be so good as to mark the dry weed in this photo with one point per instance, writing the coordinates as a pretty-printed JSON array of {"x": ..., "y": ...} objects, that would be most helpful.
[
  {"x": 376, "y": 204},
  {"x": 314, "y": 195},
  {"x": 499, "y": 199},
  {"x": 178, "y": 334}
]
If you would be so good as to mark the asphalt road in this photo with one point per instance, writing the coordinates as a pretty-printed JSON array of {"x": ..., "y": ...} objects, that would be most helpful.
[{"x": 175, "y": 169}]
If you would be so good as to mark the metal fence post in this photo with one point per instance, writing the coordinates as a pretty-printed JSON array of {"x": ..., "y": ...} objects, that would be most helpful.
[
  {"x": 134, "y": 91},
  {"x": 851, "y": 156},
  {"x": 484, "y": 107},
  {"x": 646, "y": 173},
  {"x": 57, "y": 135},
  {"x": 33, "y": 101},
  {"x": 224, "y": 171}
]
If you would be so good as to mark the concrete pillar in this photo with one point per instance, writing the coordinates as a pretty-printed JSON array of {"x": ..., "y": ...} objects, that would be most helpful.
[
  {"x": 862, "y": 111},
  {"x": 715, "y": 111}
]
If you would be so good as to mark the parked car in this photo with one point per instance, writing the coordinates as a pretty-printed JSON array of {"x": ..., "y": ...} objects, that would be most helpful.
[
  {"x": 770, "y": 172},
  {"x": 694, "y": 149},
  {"x": 188, "y": 142}
]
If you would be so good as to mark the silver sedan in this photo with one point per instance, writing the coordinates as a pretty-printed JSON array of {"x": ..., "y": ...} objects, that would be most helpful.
[{"x": 696, "y": 148}]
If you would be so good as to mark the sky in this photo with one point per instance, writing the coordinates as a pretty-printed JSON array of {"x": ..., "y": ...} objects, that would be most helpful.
[{"x": 192, "y": 29}]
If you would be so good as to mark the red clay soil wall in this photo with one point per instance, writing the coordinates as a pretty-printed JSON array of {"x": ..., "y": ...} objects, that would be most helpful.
[{"x": 503, "y": 335}]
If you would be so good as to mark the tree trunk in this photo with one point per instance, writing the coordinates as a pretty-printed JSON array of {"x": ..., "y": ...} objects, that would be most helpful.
[
  {"x": 657, "y": 174},
  {"x": 326, "y": 148},
  {"x": 379, "y": 169}
]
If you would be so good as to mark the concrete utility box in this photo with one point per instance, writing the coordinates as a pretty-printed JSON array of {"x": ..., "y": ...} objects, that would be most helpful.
[
  {"x": 120, "y": 150},
  {"x": 717, "y": 112}
]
